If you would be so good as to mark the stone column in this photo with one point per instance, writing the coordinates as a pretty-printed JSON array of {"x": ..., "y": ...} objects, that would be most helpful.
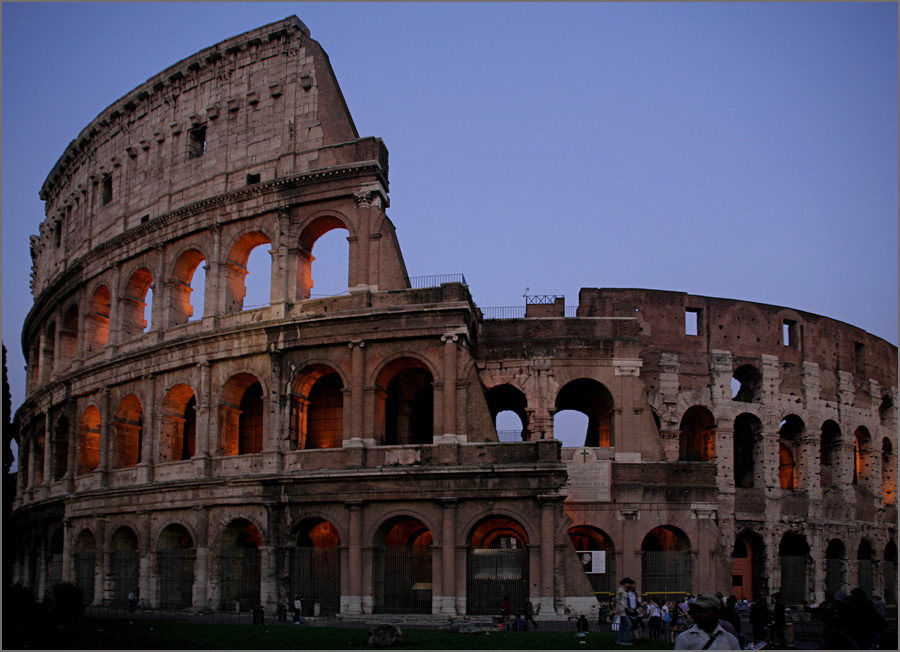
[
  {"x": 214, "y": 297},
  {"x": 204, "y": 445},
  {"x": 547, "y": 545},
  {"x": 364, "y": 204},
  {"x": 147, "y": 560},
  {"x": 357, "y": 392},
  {"x": 448, "y": 557},
  {"x": 49, "y": 448},
  {"x": 449, "y": 341},
  {"x": 201, "y": 565},
  {"x": 106, "y": 430},
  {"x": 114, "y": 312},
  {"x": 352, "y": 603},
  {"x": 281, "y": 262},
  {"x": 268, "y": 590},
  {"x": 160, "y": 290},
  {"x": 273, "y": 437},
  {"x": 149, "y": 433}
]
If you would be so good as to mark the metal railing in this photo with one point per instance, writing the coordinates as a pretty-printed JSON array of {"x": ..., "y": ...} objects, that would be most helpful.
[
  {"x": 509, "y": 435},
  {"x": 542, "y": 299},
  {"x": 504, "y": 312},
  {"x": 419, "y": 282}
]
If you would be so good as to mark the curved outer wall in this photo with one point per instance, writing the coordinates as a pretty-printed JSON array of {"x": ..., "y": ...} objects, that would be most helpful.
[{"x": 160, "y": 428}]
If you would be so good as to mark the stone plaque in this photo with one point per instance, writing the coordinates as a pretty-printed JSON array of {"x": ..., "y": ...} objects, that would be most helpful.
[{"x": 588, "y": 477}]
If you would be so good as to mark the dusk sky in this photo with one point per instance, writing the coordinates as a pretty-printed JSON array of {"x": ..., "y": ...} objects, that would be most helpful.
[{"x": 746, "y": 151}]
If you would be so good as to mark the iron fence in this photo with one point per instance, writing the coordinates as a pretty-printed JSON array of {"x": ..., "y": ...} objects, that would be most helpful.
[
  {"x": 494, "y": 574},
  {"x": 125, "y": 565},
  {"x": 402, "y": 580},
  {"x": 834, "y": 575},
  {"x": 316, "y": 578},
  {"x": 666, "y": 575},
  {"x": 55, "y": 565},
  {"x": 85, "y": 569},
  {"x": 890, "y": 582},
  {"x": 793, "y": 579},
  {"x": 176, "y": 577},
  {"x": 865, "y": 576},
  {"x": 504, "y": 312},
  {"x": 509, "y": 435},
  {"x": 542, "y": 299},
  {"x": 239, "y": 569},
  {"x": 436, "y": 280}
]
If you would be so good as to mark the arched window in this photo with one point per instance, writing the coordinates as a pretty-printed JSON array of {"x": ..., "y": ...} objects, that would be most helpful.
[
  {"x": 324, "y": 241},
  {"x": 179, "y": 424},
  {"x": 245, "y": 278},
  {"x": 136, "y": 302},
  {"x": 96, "y": 328},
  {"x": 49, "y": 353},
  {"x": 60, "y": 462},
  {"x": 746, "y": 384},
  {"x": 405, "y": 407},
  {"x": 594, "y": 401},
  {"x": 791, "y": 467},
  {"x": 888, "y": 473},
  {"x": 187, "y": 288},
  {"x": 862, "y": 455},
  {"x": 829, "y": 452},
  {"x": 697, "y": 441},
  {"x": 507, "y": 407},
  {"x": 318, "y": 408},
  {"x": 89, "y": 440},
  {"x": 129, "y": 431},
  {"x": 241, "y": 416},
  {"x": 68, "y": 340}
]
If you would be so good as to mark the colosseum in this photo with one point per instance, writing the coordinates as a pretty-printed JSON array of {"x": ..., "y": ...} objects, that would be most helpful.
[{"x": 216, "y": 456}]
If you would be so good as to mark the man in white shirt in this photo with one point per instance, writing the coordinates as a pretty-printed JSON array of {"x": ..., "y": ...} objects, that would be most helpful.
[{"x": 707, "y": 633}]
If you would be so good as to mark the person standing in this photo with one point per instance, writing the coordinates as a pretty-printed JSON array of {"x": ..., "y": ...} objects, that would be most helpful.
[
  {"x": 707, "y": 632},
  {"x": 779, "y": 621},
  {"x": 654, "y": 620},
  {"x": 298, "y": 608},
  {"x": 759, "y": 618},
  {"x": 624, "y": 610},
  {"x": 132, "y": 601},
  {"x": 529, "y": 613}
]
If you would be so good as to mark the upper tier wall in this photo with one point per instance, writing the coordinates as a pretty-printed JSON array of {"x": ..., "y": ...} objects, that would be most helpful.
[
  {"x": 253, "y": 108},
  {"x": 748, "y": 331}
]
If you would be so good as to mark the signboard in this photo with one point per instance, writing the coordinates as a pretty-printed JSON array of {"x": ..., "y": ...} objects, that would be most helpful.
[{"x": 593, "y": 561}]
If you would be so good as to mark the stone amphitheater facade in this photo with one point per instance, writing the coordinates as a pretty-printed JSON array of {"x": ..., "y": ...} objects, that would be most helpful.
[{"x": 345, "y": 448}]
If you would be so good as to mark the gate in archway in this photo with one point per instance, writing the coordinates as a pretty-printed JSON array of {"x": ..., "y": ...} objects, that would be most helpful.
[
  {"x": 316, "y": 578},
  {"x": 666, "y": 575},
  {"x": 402, "y": 579},
  {"x": 494, "y": 574}
]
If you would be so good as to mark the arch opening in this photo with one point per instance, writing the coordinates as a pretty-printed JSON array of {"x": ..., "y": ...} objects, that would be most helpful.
[
  {"x": 317, "y": 409},
  {"x": 175, "y": 558},
  {"x": 89, "y": 440},
  {"x": 497, "y": 566},
  {"x": 665, "y": 564},
  {"x": 597, "y": 555},
  {"x": 316, "y": 567},
  {"x": 129, "y": 431},
  {"x": 507, "y": 405},
  {"x": 697, "y": 439},
  {"x": 405, "y": 403},
  {"x": 96, "y": 328},
  {"x": 124, "y": 564},
  {"x": 187, "y": 288},
  {"x": 239, "y": 566},
  {"x": 594, "y": 401},
  {"x": 794, "y": 556},
  {"x": 402, "y": 567}
]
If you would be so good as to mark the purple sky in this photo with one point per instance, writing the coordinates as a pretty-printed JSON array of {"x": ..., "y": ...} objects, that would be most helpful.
[{"x": 746, "y": 151}]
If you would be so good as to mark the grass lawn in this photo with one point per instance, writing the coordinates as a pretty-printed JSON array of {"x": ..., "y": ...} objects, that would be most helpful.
[{"x": 160, "y": 635}]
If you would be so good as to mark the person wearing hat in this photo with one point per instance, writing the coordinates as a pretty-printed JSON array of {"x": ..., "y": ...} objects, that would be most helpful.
[{"x": 707, "y": 632}]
